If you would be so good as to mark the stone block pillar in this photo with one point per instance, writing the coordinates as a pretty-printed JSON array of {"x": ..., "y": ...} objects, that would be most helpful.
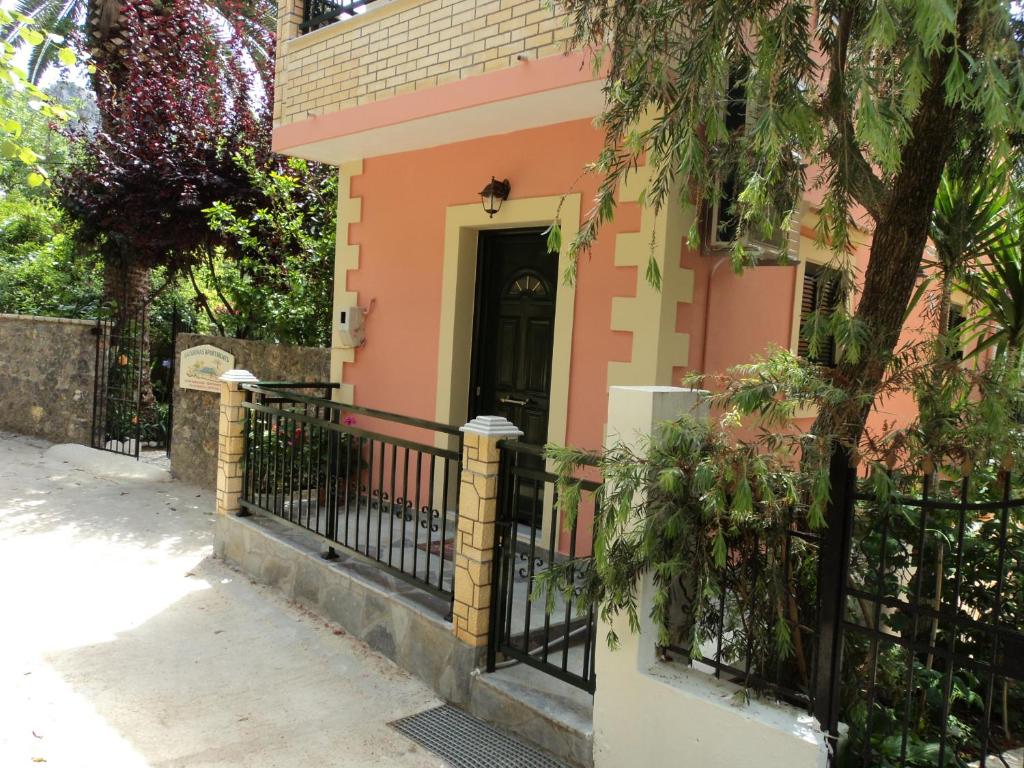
[
  {"x": 231, "y": 441},
  {"x": 478, "y": 509}
]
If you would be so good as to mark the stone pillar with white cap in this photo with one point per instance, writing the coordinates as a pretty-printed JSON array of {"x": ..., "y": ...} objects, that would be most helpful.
[
  {"x": 478, "y": 510},
  {"x": 231, "y": 440}
]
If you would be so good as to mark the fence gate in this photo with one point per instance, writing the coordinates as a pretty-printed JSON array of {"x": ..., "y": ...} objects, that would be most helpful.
[
  {"x": 553, "y": 635},
  {"x": 134, "y": 382}
]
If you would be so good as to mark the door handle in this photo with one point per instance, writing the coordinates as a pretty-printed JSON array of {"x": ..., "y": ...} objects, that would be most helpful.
[{"x": 514, "y": 401}]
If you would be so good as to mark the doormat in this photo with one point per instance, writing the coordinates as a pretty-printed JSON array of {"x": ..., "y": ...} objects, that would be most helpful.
[
  {"x": 465, "y": 742},
  {"x": 434, "y": 547}
]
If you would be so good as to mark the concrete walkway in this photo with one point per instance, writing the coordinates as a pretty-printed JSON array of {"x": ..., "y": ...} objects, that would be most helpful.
[{"x": 123, "y": 643}]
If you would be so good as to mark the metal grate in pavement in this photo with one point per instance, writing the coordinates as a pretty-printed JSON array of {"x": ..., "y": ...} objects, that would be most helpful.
[{"x": 465, "y": 742}]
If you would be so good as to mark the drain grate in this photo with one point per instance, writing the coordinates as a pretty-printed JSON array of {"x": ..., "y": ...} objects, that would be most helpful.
[{"x": 465, "y": 742}]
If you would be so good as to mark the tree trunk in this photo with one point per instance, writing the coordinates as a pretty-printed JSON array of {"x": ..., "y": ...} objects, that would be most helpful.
[{"x": 896, "y": 253}]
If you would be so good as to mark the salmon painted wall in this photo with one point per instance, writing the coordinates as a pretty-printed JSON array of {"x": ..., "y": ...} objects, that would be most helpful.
[
  {"x": 735, "y": 317},
  {"x": 401, "y": 239}
]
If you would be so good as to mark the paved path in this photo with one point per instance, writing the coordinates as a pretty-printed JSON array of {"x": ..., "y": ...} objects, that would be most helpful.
[{"x": 123, "y": 643}]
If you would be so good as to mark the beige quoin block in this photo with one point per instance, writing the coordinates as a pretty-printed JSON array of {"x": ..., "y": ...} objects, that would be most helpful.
[
  {"x": 478, "y": 510},
  {"x": 231, "y": 441}
]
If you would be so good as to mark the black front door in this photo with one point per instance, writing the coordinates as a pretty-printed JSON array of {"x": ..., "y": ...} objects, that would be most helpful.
[{"x": 515, "y": 324}]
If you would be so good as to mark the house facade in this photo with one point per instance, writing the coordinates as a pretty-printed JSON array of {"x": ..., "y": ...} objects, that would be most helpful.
[
  {"x": 419, "y": 105},
  {"x": 461, "y": 130}
]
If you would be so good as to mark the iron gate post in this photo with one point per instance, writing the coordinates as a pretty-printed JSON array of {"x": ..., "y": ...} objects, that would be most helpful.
[
  {"x": 97, "y": 382},
  {"x": 171, "y": 371},
  {"x": 833, "y": 570},
  {"x": 331, "y": 490}
]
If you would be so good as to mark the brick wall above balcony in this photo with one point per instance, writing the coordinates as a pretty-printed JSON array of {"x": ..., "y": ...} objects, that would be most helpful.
[{"x": 403, "y": 46}]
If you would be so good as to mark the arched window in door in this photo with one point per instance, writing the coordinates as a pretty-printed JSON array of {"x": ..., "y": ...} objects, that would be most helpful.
[{"x": 527, "y": 283}]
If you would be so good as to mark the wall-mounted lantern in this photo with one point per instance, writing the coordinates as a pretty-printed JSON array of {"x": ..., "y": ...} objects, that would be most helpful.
[{"x": 493, "y": 195}]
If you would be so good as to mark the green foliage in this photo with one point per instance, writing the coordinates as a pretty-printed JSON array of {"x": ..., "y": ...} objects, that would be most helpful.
[
  {"x": 996, "y": 285},
  {"x": 832, "y": 85},
  {"x": 705, "y": 515},
  {"x": 967, "y": 223},
  {"x": 41, "y": 273},
  {"x": 274, "y": 278},
  {"x": 683, "y": 509},
  {"x": 285, "y": 455},
  {"x": 37, "y": 132},
  {"x": 18, "y": 91}
]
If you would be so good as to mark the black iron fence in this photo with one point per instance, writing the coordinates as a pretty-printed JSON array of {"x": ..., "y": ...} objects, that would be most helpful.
[
  {"x": 541, "y": 627},
  {"x": 135, "y": 379},
  {"x": 120, "y": 384},
  {"x": 372, "y": 482},
  {"x": 904, "y": 618},
  {"x": 769, "y": 585},
  {"x": 932, "y": 606}
]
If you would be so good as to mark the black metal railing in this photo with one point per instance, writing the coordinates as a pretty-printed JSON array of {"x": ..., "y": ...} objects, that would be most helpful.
[
  {"x": 375, "y": 492},
  {"x": 122, "y": 360},
  {"x": 749, "y": 597},
  {"x": 320, "y": 13},
  {"x": 134, "y": 379},
  {"x": 932, "y": 607},
  {"x": 904, "y": 617},
  {"x": 542, "y": 627}
]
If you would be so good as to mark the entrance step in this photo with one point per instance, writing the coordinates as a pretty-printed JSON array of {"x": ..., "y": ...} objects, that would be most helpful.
[{"x": 548, "y": 713}]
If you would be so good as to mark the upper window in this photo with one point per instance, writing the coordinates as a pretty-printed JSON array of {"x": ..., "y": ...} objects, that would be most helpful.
[
  {"x": 721, "y": 220},
  {"x": 821, "y": 293}
]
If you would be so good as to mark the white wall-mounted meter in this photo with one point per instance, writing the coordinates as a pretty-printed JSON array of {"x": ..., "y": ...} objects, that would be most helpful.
[{"x": 351, "y": 322}]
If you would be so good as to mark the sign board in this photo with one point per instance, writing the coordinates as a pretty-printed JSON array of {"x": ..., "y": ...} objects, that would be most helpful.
[{"x": 202, "y": 366}]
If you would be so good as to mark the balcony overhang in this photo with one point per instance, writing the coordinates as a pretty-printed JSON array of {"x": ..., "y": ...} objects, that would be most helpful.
[{"x": 532, "y": 94}]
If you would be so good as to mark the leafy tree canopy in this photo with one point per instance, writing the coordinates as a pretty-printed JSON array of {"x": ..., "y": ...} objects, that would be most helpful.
[
  {"x": 863, "y": 102},
  {"x": 41, "y": 271},
  {"x": 275, "y": 278},
  {"x": 18, "y": 93},
  {"x": 177, "y": 105}
]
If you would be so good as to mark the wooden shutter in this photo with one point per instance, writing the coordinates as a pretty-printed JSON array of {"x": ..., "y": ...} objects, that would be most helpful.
[{"x": 820, "y": 291}]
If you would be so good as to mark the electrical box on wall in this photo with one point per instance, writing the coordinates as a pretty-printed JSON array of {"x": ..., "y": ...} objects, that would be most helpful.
[{"x": 351, "y": 321}]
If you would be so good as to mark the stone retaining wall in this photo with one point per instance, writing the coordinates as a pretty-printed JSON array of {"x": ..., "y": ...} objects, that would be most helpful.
[
  {"x": 194, "y": 439},
  {"x": 47, "y": 375},
  {"x": 391, "y": 615}
]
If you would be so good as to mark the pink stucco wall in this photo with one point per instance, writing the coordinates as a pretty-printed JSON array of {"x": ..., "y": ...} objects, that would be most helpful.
[{"x": 401, "y": 239}]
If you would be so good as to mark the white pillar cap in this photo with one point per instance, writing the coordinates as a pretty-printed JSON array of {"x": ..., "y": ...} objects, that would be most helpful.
[
  {"x": 238, "y": 376},
  {"x": 492, "y": 426}
]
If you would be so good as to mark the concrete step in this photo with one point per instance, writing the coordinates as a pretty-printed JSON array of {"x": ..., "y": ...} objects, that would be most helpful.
[{"x": 548, "y": 713}]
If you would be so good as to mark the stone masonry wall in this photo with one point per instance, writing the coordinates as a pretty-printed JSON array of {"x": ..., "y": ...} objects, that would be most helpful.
[
  {"x": 402, "y": 46},
  {"x": 196, "y": 414},
  {"x": 47, "y": 376}
]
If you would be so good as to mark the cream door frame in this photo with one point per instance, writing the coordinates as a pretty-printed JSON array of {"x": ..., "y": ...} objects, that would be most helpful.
[{"x": 463, "y": 224}]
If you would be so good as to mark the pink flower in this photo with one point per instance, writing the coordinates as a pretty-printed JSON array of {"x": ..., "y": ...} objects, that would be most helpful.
[{"x": 349, "y": 420}]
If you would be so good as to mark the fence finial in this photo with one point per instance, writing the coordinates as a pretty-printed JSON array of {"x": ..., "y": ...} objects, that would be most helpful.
[
  {"x": 238, "y": 376},
  {"x": 492, "y": 427}
]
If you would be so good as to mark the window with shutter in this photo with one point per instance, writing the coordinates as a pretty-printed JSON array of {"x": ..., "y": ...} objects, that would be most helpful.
[
  {"x": 720, "y": 221},
  {"x": 821, "y": 291}
]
